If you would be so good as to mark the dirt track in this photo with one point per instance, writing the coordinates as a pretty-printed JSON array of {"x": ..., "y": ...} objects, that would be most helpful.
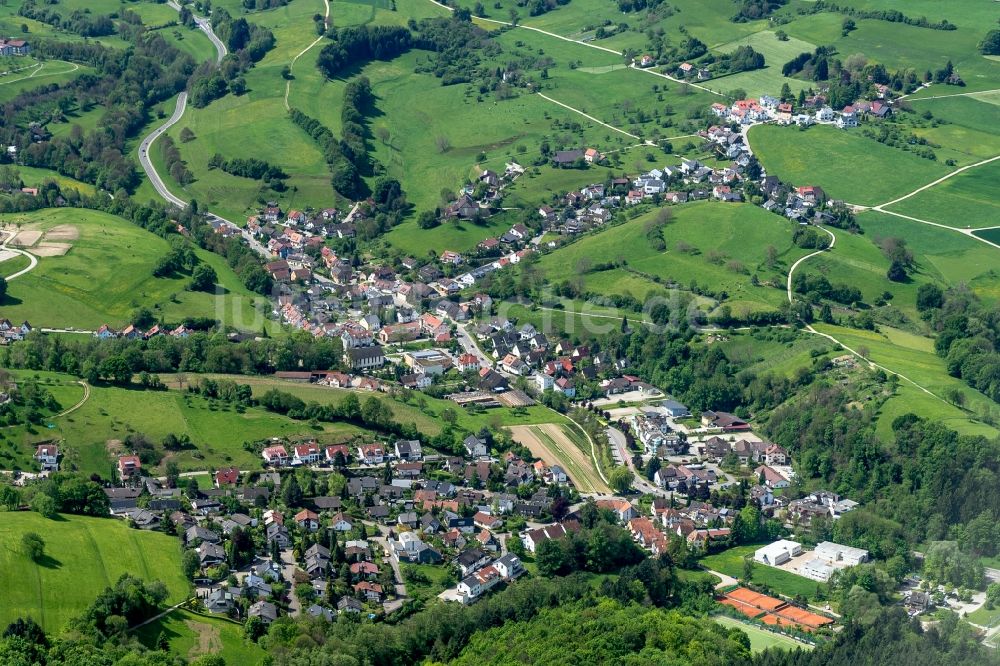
[{"x": 550, "y": 443}]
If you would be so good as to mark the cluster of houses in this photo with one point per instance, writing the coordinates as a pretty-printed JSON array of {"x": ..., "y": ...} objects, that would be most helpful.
[
  {"x": 771, "y": 109},
  {"x": 10, "y": 332},
  {"x": 451, "y": 522},
  {"x": 477, "y": 200},
  {"x": 131, "y": 332}
]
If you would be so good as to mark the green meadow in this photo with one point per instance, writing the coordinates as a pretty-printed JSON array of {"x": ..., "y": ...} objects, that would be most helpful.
[
  {"x": 730, "y": 563},
  {"x": 963, "y": 201},
  {"x": 761, "y": 639},
  {"x": 845, "y": 164},
  {"x": 107, "y": 273},
  {"x": 943, "y": 256},
  {"x": 218, "y": 431},
  {"x": 715, "y": 245},
  {"x": 83, "y": 555}
]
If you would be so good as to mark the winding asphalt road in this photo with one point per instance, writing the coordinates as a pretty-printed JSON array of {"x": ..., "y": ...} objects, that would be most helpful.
[
  {"x": 205, "y": 26},
  {"x": 147, "y": 143}
]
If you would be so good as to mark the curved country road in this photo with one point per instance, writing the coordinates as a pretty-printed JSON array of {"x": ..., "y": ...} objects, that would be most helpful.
[
  {"x": 147, "y": 143},
  {"x": 205, "y": 26}
]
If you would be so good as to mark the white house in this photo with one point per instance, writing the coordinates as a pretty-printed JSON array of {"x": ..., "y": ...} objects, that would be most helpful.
[
  {"x": 825, "y": 114},
  {"x": 544, "y": 382},
  {"x": 778, "y": 552}
]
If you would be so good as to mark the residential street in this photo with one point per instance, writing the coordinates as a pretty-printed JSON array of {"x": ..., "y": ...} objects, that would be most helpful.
[
  {"x": 640, "y": 483},
  {"x": 470, "y": 347}
]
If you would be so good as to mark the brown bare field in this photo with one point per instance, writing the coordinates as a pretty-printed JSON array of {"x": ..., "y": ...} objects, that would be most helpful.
[
  {"x": 26, "y": 238},
  {"x": 63, "y": 232},
  {"x": 549, "y": 442},
  {"x": 46, "y": 249}
]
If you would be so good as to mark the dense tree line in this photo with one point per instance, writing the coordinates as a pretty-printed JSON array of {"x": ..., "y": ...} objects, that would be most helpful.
[
  {"x": 246, "y": 42},
  {"x": 968, "y": 335},
  {"x": 454, "y": 44},
  {"x": 79, "y": 21},
  {"x": 626, "y": 6},
  {"x": 357, "y": 45},
  {"x": 815, "y": 287},
  {"x": 890, "y": 15},
  {"x": 753, "y": 10},
  {"x": 599, "y": 546},
  {"x": 743, "y": 59},
  {"x": 247, "y": 167},
  {"x": 581, "y": 633},
  {"x": 241, "y": 258},
  {"x": 176, "y": 166},
  {"x": 991, "y": 43},
  {"x": 344, "y": 175},
  {"x": 199, "y": 352}
]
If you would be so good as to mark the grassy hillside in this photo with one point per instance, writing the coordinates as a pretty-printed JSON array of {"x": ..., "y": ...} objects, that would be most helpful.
[
  {"x": 716, "y": 234},
  {"x": 107, "y": 273},
  {"x": 192, "y": 635},
  {"x": 947, "y": 257},
  {"x": 83, "y": 556},
  {"x": 913, "y": 357},
  {"x": 845, "y": 164},
  {"x": 91, "y": 434}
]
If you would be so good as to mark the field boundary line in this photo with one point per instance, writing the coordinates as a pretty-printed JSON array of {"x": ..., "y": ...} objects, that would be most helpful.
[
  {"x": 961, "y": 94},
  {"x": 808, "y": 327},
  {"x": 936, "y": 182}
]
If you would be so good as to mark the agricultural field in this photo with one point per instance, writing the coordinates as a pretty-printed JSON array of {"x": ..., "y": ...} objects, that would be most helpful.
[
  {"x": 95, "y": 268},
  {"x": 841, "y": 162},
  {"x": 22, "y": 73},
  {"x": 761, "y": 639},
  {"x": 962, "y": 123},
  {"x": 964, "y": 201},
  {"x": 730, "y": 563},
  {"x": 83, "y": 555},
  {"x": 553, "y": 443},
  {"x": 714, "y": 245},
  {"x": 192, "y": 635}
]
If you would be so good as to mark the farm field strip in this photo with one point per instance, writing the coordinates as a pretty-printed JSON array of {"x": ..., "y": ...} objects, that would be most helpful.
[{"x": 550, "y": 443}]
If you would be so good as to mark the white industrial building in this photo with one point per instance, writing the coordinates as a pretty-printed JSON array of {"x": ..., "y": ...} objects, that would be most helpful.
[
  {"x": 777, "y": 553},
  {"x": 817, "y": 569},
  {"x": 836, "y": 553}
]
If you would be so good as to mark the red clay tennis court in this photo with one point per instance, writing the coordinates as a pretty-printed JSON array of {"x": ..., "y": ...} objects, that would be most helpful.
[{"x": 772, "y": 611}]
